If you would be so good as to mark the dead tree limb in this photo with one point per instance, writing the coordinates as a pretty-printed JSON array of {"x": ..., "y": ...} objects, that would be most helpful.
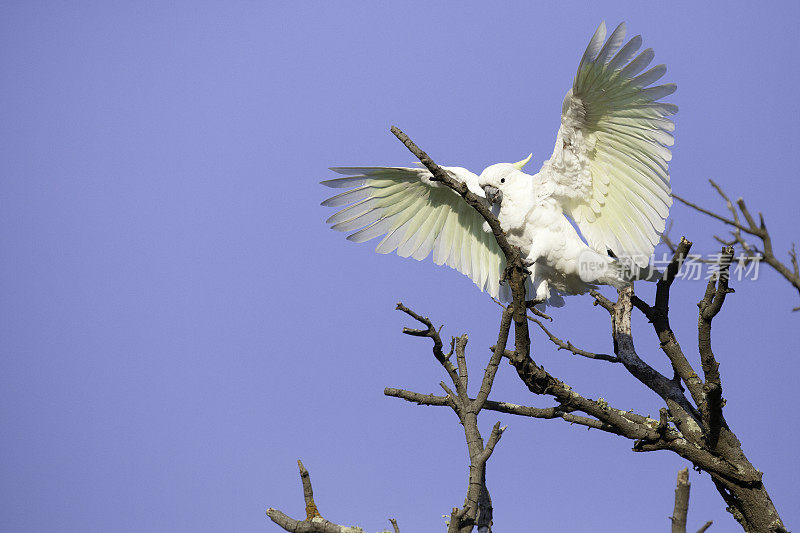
[
  {"x": 681, "y": 509},
  {"x": 705, "y": 526},
  {"x": 710, "y": 305},
  {"x": 744, "y": 493},
  {"x": 477, "y": 509},
  {"x": 738, "y": 210},
  {"x": 313, "y": 523},
  {"x": 566, "y": 345}
]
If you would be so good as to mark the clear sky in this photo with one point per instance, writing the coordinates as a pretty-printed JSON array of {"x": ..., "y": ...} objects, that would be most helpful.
[{"x": 179, "y": 326}]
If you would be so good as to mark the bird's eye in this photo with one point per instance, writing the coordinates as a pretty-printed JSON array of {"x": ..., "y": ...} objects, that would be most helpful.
[{"x": 502, "y": 180}]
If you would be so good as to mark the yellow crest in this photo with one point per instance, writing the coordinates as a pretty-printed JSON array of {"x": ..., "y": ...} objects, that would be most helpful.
[{"x": 519, "y": 164}]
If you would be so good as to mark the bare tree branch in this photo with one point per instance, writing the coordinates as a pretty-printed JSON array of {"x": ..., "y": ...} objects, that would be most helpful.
[
  {"x": 432, "y": 334},
  {"x": 440, "y": 175},
  {"x": 658, "y": 315},
  {"x": 602, "y": 301},
  {"x": 308, "y": 492},
  {"x": 477, "y": 509},
  {"x": 566, "y": 345},
  {"x": 737, "y": 480},
  {"x": 494, "y": 362},
  {"x": 314, "y": 523},
  {"x": 705, "y": 527},
  {"x": 711, "y": 213},
  {"x": 561, "y": 412},
  {"x": 681, "y": 508},
  {"x": 710, "y": 305},
  {"x": 669, "y": 390},
  {"x": 789, "y": 272},
  {"x": 646, "y": 433},
  {"x": 681, "y": 502}
]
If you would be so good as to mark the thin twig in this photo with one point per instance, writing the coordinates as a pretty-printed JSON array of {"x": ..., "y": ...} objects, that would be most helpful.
[
  {"x": 790, "y": 272},
  {"x": 566, "y": 345},
  {"x": 705, "y": 526},
  {"x": 712, "y": 214},
  {"x": 433, "y": 334}
]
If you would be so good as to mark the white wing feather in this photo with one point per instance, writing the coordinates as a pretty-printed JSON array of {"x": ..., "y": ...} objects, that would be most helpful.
[
  {"x": 609, "y": 166},
  {"x": 418, "y": 217}
]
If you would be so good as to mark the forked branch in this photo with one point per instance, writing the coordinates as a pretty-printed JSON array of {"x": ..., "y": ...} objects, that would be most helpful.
[
  {"x": 741, "y": 229},
  {"x": 711, "y": 304},
  {"x": 313, "y": 523},
  {"x": 477, "y": 509}
]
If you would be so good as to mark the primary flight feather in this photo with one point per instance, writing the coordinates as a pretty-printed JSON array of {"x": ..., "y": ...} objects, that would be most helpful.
[{"x": 608, "y": 173}]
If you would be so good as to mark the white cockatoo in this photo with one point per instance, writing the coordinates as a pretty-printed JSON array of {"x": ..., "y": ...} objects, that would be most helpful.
[{"x": 608, "y": 174}]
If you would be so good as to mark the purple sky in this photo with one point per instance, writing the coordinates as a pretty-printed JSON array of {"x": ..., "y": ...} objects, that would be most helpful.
[{"x": 179, "y": 326}]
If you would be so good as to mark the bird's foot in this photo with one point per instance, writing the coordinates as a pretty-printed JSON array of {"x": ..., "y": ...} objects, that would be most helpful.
[
  {"x": 531, "y": 304},
  {"x": 506, "y": 274}
]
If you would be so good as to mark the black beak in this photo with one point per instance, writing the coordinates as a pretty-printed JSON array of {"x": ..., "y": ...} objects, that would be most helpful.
[{"x": 493, "y": 194}]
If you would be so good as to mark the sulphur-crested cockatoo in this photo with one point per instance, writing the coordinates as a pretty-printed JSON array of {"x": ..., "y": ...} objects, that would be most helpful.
[{"x": 608, "y": 174}]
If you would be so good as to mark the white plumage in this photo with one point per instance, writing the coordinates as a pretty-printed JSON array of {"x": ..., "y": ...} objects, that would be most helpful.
[{"x": 608, "y": 173}]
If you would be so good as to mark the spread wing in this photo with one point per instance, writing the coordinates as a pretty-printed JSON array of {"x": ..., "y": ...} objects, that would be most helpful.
[
  {"x": 609, "y": 166},
  {"x": 417, "y": 217}
]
